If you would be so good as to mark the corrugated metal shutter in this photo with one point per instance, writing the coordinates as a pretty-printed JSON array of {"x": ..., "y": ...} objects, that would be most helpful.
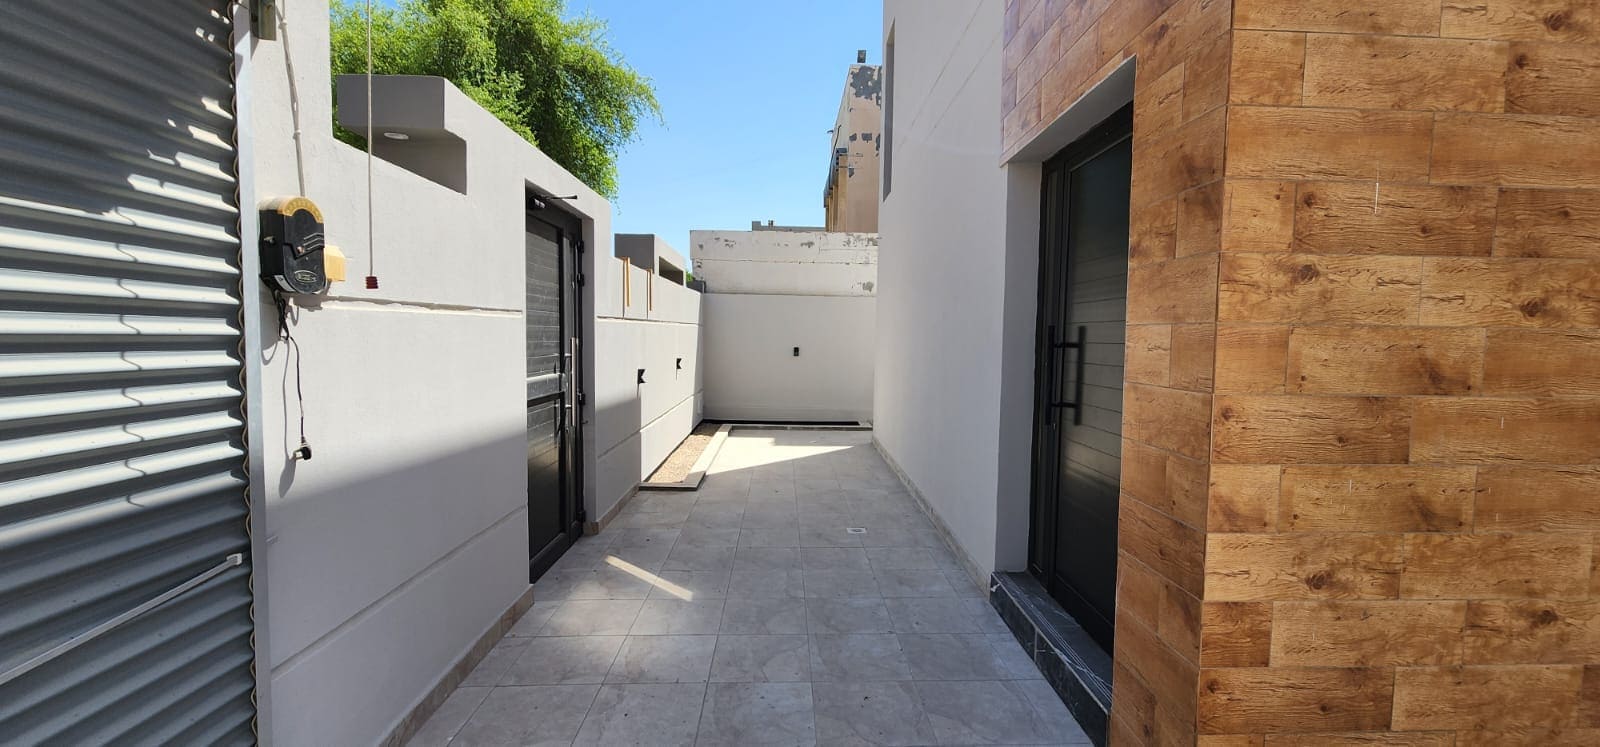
[{"x": 122, "y": 460}]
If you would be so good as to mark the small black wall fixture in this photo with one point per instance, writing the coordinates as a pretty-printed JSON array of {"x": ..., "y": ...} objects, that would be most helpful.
[
  {"x": 797, "y": 352},
  {"x": 680, "y": 364},
  {"x": 641, "y": 376}
]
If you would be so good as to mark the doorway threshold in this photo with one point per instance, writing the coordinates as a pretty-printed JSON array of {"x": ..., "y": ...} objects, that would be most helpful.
[{"x": 1076, "y": 667}]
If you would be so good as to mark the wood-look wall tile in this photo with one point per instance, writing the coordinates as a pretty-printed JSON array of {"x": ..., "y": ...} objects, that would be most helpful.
[
  {"x": 1364, "y": 739},
  {"x": 1485, "y": 431},
  {"x": 1541, "y": 362},
  {"x": 1179, "y": 624},
  {"x": 1172, "y": 484},
  {"x": 1371, "y": 498},
  {"x": 1236, "y": 634},
  {"x": 1554, "y": 79},
  {"x": 1318, "y": 289},
  {"x": 1139, "y": 591},
  {"x": 1169, "y": 676},
  {"x": 1205, "y": 76},
  {"x": 1172, "y": 549},
  {"x": 1532, "y": 632},
  {"x": 1573, "y": 21},
  {"x": 1408, "y": 17},
  {"x": 1171, "y": 419},
  {"x": 1181, "y": 33},
  {"x": 1200, "y": 220},
  {"x": 1153, "y": 232},
  {"x": 1186, "y": 157},
  {"x": 1194, "y": 348},
  {"x": 1268, "y": 67},
  {"x": 1385, "y": 360},
  {"x": 1528, "y": 150},
  {"x": 1478, "y": 697},
  {"x": 1367, "y": 634},
  {"x": 1040, "y": 59},
  {"x": 1539, "y": 498},
  {"x": 1496, "y": 566},
  {"x": 1231, "y": 740},
  {"x": 1270, "y": 699},
  {"x": 1251, "y": 358},
  {"x": 1158, "y": 105},
  {"x": 1133, "y": 705},
  {"x": 1148, "y": 356},
  {"x": 1243, "y": 498},
  {"x": 1286, "y": 429},
  {"x": 1382, "y": 218},
  {"x": 1496, "y": 292},
  {"x": 1400, "y": 72},
  {"x": 1548, "y": 223},
  {"x": 1258, "y": 215},
  {"x": 1293, "y": 143},
  {"x": 1175, "y": 291},
  {"x": 1299, "y": 567}
]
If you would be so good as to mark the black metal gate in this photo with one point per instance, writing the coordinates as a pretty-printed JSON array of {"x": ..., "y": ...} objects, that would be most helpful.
[{"x": 554, "y": 309}]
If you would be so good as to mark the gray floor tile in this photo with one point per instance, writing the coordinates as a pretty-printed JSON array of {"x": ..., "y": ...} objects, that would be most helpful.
[
  {"x": 841, "y": 616},
  {"x": 761, "y": 658},
  {"x": 690, "y": 557},
  {"x": 534, "y": 619},
  {"x": 1012, "y": 658},
  {"x": 760, "y": 713},
  {"x": 539, "y": 715},
  {"x": 762, "y": 584},
  {"x": 984, "y": 713},
  {"x": 912, "y": 583},
  {"x": 828, "y": 535},
  {"x": 690, "y": 585},
  {"x": 564, "y": 660},
  {"x": 593, "y": 617},
  {"x": 951, "y": 657},
  {"x": 449, "y": 717},
  {"x": 703, "y": 535},
  {"x": 870, "y": 713},
  {"x": 787, "y": 535},
  {"x": 678, "y": 617},
  {"x": 834, "y": 559},
  {"x": 857, "y": 658},
  {"x": 604, "y": 583},
  {"x": 925, "y": 615},
  {"x": 622, "y": 537},
  {"x": 643, "y": 715},
  {"x": 765, "y": 559},
  {"x": 902, "y": 558},
  {"x": 1055, "y": 721},
  {"x": 766, "y": 615},
  {"x": 664, "y": 659},
  {"x": 496, "y": 663},
  {"x": 840, "y": 584},
  {"x": 643, "y": 557}
]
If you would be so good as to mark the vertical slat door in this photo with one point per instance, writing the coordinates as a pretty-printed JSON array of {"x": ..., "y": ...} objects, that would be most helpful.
[{"x": 122, "y": 459}]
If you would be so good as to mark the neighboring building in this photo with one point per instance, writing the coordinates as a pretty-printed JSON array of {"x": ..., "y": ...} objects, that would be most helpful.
[
  {"x": 850, "y": 199},
  {"x": 650, "y": 253},
  {"x": 1296, "y": 413},
  {"x": 790, "y": 323}
]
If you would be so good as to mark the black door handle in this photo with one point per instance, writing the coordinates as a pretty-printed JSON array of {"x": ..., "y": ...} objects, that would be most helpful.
[{"x": 1055, "y": 386}]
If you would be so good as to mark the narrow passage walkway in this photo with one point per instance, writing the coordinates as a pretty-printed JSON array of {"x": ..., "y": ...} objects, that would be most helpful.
[{"x": 753, "y": 611}]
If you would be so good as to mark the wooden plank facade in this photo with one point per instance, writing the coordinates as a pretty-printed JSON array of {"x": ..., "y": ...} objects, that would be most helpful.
[{"x": 1362, "y": 420}]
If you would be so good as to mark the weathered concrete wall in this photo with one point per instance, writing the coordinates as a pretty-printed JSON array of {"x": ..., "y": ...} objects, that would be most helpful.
[
  {"x": 850, "y": 198},
  {"x": 648, "y": 251},
  {"x": 405, "y": 537},
  {"x": 786, "y": 262}
]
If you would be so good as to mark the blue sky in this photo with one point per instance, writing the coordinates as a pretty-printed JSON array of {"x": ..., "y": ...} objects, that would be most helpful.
[{"x": 748, "y": 91}]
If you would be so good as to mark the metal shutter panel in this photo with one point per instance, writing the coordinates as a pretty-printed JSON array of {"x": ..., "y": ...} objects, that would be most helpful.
[{"x": 122, "y": 460}]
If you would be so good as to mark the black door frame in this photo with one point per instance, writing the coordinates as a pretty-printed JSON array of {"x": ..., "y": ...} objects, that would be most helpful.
[
  {"x": 1049, "y": 408},
  {"x": 569, "y": 237}
]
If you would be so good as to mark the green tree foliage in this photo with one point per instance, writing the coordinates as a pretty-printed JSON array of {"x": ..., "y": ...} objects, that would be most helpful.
[{"x": 553, "y": 79}]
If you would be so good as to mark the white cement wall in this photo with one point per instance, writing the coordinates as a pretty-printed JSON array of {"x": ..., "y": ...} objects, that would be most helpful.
[
  {"x": 753, "y": 374},
  {"x": 405, "y": 537},
  {"x": 786, "y": 262},
  {"x": 653, "y": 324},
  {"x": 956, "y": 282}
]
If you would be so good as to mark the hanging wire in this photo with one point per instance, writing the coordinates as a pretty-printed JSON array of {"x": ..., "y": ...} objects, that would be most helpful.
[
  {"x": 372, "y": 272},
  {"x": 284, "y": 333}
]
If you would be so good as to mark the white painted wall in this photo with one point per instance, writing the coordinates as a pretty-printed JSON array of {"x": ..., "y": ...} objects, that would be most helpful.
[
  {"x": 649, "y": 323},
  {"x": 956, "y": 282},
  {"x": 753, "y": 374},
  {"x": 405, "y": 537},
  {"x": 786, "y": 262}
]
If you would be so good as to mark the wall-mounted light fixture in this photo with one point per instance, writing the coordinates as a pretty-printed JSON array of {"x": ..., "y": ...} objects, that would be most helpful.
[
  {"x": 797, "y": 352},
  {"x": 680, "y": 364},
  {"x": 397, "y": 136},
  {"x": 641, "y": 376}
]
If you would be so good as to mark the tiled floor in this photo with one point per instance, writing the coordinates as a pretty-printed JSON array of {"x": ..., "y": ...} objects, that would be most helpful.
[{"x": 752, "y": 612}]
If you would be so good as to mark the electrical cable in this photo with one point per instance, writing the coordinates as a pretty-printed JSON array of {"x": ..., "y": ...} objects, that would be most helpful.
[
  {"x": 304, "y": 452},
  {"x": 372, "y": 273}
]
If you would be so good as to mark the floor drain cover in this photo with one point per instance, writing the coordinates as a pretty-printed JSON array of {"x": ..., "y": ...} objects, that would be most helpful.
[{"x": 855, "y": 530}]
